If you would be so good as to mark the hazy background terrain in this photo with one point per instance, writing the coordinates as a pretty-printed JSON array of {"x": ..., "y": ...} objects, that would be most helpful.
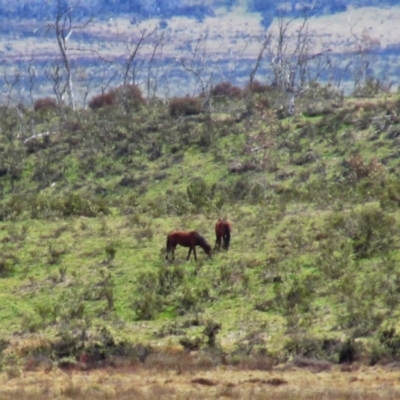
[{"x": 219, "y": 40}]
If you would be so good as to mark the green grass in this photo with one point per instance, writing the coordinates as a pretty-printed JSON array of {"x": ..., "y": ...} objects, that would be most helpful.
[{"x": 314, "y": 244}]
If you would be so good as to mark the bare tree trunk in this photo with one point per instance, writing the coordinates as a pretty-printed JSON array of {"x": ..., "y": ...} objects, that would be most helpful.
[
  {"x": 197, "y": 66},
  {"x": 152, "y": 84},
  {"x": 363, "y": 55},
  {"x": 260, "y": 56},
  {"x": 133, "y": 52},
  {"x": 63, "y": 28}
]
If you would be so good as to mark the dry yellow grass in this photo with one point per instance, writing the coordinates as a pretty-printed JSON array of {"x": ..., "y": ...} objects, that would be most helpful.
[{"x": 140, "y": 383}]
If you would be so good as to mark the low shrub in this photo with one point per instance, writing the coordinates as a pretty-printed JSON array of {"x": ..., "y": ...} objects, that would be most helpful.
[
  {"x": 130, "y": 95},
  {"x": 13, "y": 207},
  {"x": 44, "y": 104},
  {"x": 361, "y": 318},
  {"x": 371, "y": 88},
  {"x": 356, "y": 168},
  {"x": 7, "y": 264},
  {"x": 226, "y": 90},
  {"x": 390, "y": 340},
  {"x": 371, "y": 230},
  {"x": 184, "y": 106},
  {"x": 69, "y": 204},
  {"x": 75, "y": 347},
  {"x": 257, "y": 87},
  {"x": 328, "y": 349},
  {"x": 198, "y": 193},
  {"x": 102, "y": 100}
]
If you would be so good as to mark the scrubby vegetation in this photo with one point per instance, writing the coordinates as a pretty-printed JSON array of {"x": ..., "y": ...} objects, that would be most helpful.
[{"x": 88, "y": 196}]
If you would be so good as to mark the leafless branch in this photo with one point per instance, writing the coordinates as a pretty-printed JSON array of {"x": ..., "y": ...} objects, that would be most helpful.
[
  {"x": 32, "y": 77},
  {"x": 11, "y": 82},
  {"x": 363, "y": 55},
  {"x": 152, "y": 81},
  {"x": 54, "y": 74},
  {"x": 63, "y": 28},
  {"x": 133, "y": 49},
  {"x": 265, "y": 42}
]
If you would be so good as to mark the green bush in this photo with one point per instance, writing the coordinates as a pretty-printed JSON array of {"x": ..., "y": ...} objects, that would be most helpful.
[
  {"x": 370, "y": 88},
  {"x": 146, "y": 305},
  {"x": 68, "y": 204},
  {"x": 371, "y": 230},
  {"x": 308, "y": 350},
  {"x": 198, "y": 193},
  {"x": 13, "y": 207},
  {"x": 153, "y": 289},
  {"x": 7, "y": 264}
]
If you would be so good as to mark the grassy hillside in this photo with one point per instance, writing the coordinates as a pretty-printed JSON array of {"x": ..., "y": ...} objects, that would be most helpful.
[{"x": 313, "y": 198}]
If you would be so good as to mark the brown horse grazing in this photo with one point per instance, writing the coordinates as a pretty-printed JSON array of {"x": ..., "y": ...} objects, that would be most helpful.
[
  {"x": 223, "y": 230},
  {"x": 189, "y": 239}
]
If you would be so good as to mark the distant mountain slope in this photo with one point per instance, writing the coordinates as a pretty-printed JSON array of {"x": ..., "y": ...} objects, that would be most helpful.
[
  {"x": 166, "y": 9},
  {"x": 363, "y": 38}
]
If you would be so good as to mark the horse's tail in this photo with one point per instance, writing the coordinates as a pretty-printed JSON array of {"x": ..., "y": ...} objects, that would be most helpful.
[
  {"x": 227, "y": 228},
  {"x": 167, "y": 247},
  {"x": 217, "y": 225}
]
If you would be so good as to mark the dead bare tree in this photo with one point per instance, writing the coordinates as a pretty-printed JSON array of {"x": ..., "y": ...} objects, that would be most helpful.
[
  {"x": 264, "y": 43},
  {"x": 201, "y": 67},
  {"x": 292, "y": 54},
  {"x": 236, "y": 58},
  {"x": 165, "y": 82},
  {"x": 363, "y": 54},
  {"x": 196, "y": 65},
  {"x": 295, "y": 60},
  {"x": 12, "y": 81},
  {"x": 132, "y": 64},
  {"x": 63, "y": 28},
  {"x": 32, "y": 77},
  {"x": 152, "y": 80},
  {"x": 54, "y": 74}
]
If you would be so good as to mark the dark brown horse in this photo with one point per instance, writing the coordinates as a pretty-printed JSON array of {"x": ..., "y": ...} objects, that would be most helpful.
[
  {"x": 223, "y": 230},
  {"x": 189, "y": 239}
]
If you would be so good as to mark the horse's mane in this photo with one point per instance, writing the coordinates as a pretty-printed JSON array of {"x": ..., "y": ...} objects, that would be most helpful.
[{"x": 202, "y": 240}]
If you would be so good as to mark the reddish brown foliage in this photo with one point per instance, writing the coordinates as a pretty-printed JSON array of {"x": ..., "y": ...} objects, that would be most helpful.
[
  {"x": 226, "y": 89},
  {"x": 101, "y": 100},
  {"x": 257, "y": 87},
  {"x": 44, "y": 104},
  {"x": 184, "y": 106},
  {"x": 359, "y": 169},
  {"x": 130, "y": 94},
  {"x": 321, "y": 236}
]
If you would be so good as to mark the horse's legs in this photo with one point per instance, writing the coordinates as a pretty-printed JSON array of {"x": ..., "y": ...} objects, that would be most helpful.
[
  {"x": 217, "y": 242},
  {"x": 188, "y": 256},
  {"x": 172, "y": 251},
  {"x": 194, "y": 252}
]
